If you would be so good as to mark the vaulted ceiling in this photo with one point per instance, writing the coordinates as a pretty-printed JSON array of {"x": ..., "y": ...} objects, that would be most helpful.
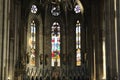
[
  {"x": 69, "y": 4},
  {"x": 66, "y": 5}
]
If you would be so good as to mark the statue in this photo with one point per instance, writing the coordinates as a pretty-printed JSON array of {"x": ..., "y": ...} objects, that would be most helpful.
[
  {"x": 41, "y": 58},
  {"x": 27, "y": 57},
  {"x": 32, "y": 57}
]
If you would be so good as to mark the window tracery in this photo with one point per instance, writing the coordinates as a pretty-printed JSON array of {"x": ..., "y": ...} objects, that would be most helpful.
[
  {"x": 34, "y": 9},
  {"x": 78, "y": 43},
  {"x": 55, "y": 41}
]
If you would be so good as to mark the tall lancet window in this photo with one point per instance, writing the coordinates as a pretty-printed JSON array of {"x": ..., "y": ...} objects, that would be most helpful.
[
  {"x": 55, "y": 41},
  {"x": 78, "y": 43},
  {"x": 32, "y": 43}
]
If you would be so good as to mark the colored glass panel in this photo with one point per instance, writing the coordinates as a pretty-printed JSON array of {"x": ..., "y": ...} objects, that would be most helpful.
[
  {"x": 34, "y": 9},
  {"x": 77, "y": 9},
  {"x": 55, "y": 41},
  {"x": 55, "y": 10},
  {"x": 78, "y": 44},
  {"x": 33, "y": 43}
]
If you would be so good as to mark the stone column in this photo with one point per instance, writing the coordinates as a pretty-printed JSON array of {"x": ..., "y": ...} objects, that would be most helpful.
[
  {"x": 16, "y": 35},
  {"x": 90, "y": 51},
  {"x": 98, "y": 42},
  {"x": 6, "y": 39},
  {"x": 1, "y": 37},
  {"x": 93, "y": 54},
  {"x": 111, "y": 66},
  {"x": 11, "y": 40},
  {"x": 103, "y": 38},
  {"x": 63, "y": 41},
  {"x": 40, "y": 45},
  {"x": 16, "y": 31},
  {"x": 113, "y": 39},
  {"x": 90, "y": 41},
  {"x": 97, "y": 39},
  {"x": 99, "y": 54},
  {"x": 108, "y": 39},
  {"x": 118, "y": 37},
  {"x": 46, "y": 41}
]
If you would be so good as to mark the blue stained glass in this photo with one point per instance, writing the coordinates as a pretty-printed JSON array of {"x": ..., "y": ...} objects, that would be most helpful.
[
  {"x": 77, "y": 9},
  {"x": 34, "y": 9},
  {"x": 78, "y": 44},
  {"x": 32, "y": 43},
  {"x": 55, "y": 41},
  {"x": 55, "y": 10}
]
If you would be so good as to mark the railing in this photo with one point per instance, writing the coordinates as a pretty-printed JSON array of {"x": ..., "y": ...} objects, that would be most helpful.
[{"x": 54, "y": 74}]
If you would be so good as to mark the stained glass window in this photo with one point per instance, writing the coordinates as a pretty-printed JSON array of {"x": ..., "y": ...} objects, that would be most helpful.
[
  {"x": 34, "y": 9},
  {"x": 55, "y": 10},
  {"x": 32, "y": 43},
  {"x": 78, "y": 44},
  {"x": 77, "y": 9},
  {"x": 55, "y": 41}
]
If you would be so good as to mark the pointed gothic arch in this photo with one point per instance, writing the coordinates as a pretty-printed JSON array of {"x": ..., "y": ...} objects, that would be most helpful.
[{"x": 37, "y": 19}]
